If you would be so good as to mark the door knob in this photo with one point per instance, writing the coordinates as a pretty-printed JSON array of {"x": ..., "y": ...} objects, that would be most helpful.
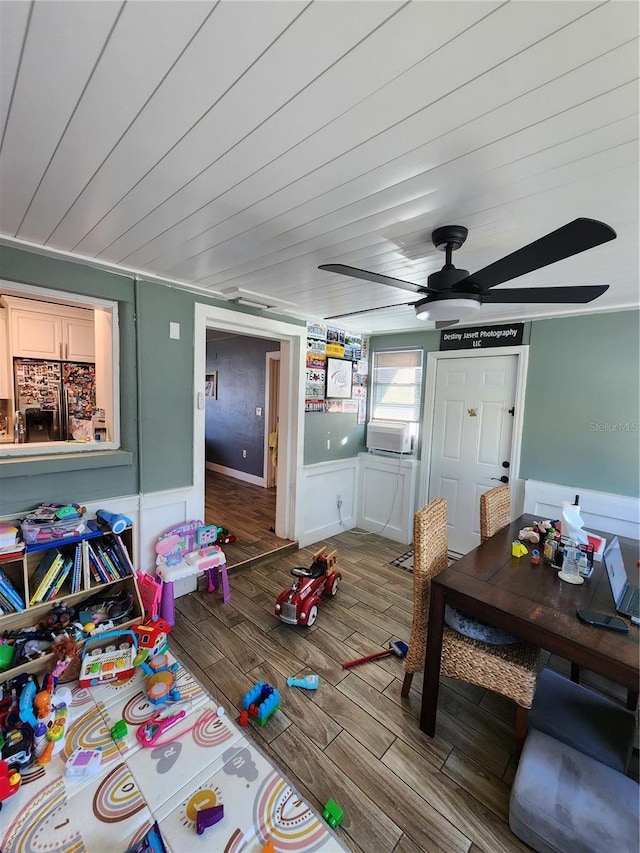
[{"x": 503, "y": 479}]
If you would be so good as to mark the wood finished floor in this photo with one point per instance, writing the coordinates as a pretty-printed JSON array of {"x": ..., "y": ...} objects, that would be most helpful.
[
  {"x": 248, "y": 512},
  {"x": 354, "y": 739}
]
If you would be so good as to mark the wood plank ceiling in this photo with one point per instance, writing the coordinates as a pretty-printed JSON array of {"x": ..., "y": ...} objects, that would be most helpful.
[{"x": 237, "y": 145}]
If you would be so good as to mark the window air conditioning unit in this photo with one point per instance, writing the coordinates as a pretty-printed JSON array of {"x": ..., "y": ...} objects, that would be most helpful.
[{"x": 389, "y": 436}]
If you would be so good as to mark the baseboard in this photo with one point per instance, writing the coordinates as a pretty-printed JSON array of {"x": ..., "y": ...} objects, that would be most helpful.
[{"x": 238, "y": 475}]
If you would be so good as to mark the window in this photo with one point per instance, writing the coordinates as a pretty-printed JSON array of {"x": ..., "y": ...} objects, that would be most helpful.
[
  {"x": 396, "y": 386},
  {"x": 59, "y": 385}
]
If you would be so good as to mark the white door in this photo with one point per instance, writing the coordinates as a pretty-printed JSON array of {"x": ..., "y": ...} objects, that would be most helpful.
[{"x": 471, "y": 438}]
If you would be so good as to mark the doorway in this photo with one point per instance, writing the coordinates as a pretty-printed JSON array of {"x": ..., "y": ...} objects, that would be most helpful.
[
  {"x": 292, "y": 339},
  {"x": 472, "y": 427}
]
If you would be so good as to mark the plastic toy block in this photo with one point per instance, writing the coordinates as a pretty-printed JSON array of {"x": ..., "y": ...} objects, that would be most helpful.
[
  {"x": 518, "y": 549},
  {"x": 309, "y": 682},
  {"x": 207, "y": 817},
  {"x": 261, "y": 702},
  {"x": 119, "y": 730},
  {"x": 333, "y": 814}
]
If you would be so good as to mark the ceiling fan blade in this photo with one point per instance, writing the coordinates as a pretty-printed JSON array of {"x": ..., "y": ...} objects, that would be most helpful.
[
  {"x": 571, "y": 239},
  {"x": 367, "y": 310},
  {"x": 550, "y": 295},
  {"x": 354, "y": 272},
  {"x": 442, "y": 324}
]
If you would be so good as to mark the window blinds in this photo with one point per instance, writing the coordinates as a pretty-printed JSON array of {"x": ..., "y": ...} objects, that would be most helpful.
[{"x": 396, "y": 385}]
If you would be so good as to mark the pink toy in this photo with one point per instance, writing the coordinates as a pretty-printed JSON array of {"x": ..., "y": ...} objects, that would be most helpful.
[{"x": 150, "y": 587}]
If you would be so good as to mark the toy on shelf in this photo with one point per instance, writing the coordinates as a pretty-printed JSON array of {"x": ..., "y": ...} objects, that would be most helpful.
[
  {"x": 113, "y": 520},
  {"x": 108, "y": 657},
  {"x": 207, "y": 817},
  {"x": 9, "y": 781},
  {"x": 333, "y": 813},
  {"x": 299, "y": 604},
  {"x": 65, "y": 651},
  {"x": 308, "y": 682},
  {"x": 261, "y": 702},
  {"x": 60, "y": 617}
]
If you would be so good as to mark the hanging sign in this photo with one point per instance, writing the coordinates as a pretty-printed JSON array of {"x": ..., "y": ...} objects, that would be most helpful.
[{"x": 482, "y": 337}]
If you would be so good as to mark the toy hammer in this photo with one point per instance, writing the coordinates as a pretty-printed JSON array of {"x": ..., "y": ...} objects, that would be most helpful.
[{"x": 397, "y": 648}]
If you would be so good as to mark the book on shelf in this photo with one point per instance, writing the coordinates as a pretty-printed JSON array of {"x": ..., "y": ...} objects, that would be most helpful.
[
  {"x": 76, "y": 576},
  {"x": 59, "y": 579},
  {"x": 121, "y": 551},
  {"x": 45, "y": 574},
  {"x": 96, "y": 567},
  {"x": 10, "y": 594}
]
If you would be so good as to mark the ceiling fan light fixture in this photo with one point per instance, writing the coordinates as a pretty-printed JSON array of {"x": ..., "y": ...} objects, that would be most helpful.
[{"x": 455, "y": 308}]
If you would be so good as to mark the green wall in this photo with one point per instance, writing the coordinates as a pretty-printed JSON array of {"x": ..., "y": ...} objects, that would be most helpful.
[
  {"x": 582, "y": 399},
  {"x": 73, "y": 477},
  {"x": 345, "y": 435},
  {"x": 582, "y": 406},
  {"x": 156, "y": 390}
]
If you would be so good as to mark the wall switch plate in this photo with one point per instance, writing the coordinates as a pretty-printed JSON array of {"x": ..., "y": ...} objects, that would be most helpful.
[
  {"x": 174, "y": 331},
  {"x": 244, "y": 454},
  {"x": 259, "y": 411}
]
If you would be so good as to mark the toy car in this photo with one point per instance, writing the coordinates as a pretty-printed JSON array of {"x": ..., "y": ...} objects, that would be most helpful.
[{"x": 299, "y": 604}]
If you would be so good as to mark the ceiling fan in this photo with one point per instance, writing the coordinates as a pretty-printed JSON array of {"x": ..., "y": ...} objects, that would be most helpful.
[{"x": 453, "y": 294}]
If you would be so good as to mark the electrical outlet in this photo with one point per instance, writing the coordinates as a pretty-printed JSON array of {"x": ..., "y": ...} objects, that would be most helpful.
[
  {"x": 244, "y": 454},
  {"x": 339, "y": 501}
]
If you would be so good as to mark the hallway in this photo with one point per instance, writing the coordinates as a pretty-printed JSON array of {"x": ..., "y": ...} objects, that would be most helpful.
[{"x": 247, "y": 511}]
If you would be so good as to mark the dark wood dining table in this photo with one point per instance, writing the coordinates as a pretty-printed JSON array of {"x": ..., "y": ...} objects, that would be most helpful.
[{"x": 533, "y": 603}]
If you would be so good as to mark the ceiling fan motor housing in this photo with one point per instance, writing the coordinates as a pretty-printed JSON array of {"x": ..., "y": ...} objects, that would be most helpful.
[{"x": 446, "y": 278}]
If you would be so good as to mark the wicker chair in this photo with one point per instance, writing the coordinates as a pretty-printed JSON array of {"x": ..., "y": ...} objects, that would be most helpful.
[
  {"x": 509, "y": 670},
  {"x": 495, "y": 511}
]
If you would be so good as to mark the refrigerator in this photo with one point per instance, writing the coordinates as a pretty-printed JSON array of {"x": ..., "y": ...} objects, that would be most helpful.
[{"x": 57, "y": 399}]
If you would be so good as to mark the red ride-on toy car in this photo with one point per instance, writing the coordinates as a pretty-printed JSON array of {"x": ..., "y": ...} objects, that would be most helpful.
[{"x": 299, "y": 604}]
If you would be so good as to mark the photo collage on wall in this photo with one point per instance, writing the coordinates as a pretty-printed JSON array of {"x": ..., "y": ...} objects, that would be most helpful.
[{"x": 337, "y": 371}]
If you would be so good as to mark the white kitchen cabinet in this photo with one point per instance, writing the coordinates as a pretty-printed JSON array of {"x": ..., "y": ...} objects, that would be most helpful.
[
  {"x": 4, "y": 356},
  {"x": 54, "y": 332}
]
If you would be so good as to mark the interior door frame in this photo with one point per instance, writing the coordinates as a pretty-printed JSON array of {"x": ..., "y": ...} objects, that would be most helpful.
[
  {"x": 517, "y": 485},
  {"x": 268, "y": 404},
  {"x": 292, "y": 338}
]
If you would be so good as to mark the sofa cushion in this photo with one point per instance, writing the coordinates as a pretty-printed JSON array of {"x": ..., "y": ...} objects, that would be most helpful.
[{"x": 563, "y": 800}]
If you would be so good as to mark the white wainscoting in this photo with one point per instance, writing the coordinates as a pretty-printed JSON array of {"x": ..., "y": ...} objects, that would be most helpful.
[
  {"x": 615, "y": 514},
  {"x": 321, "y": 485},
  {"x": 387, "y": 496}
]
